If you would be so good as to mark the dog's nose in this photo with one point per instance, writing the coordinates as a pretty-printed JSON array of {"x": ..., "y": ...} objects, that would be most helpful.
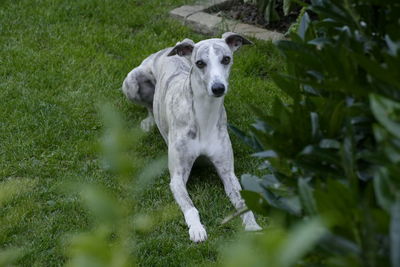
[{"x": 218, "y": 89}]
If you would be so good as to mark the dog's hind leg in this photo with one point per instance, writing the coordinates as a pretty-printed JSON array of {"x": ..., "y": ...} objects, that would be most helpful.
[
  {"x": 147, "y": 123},
  {"x": 139, "y": 87}
]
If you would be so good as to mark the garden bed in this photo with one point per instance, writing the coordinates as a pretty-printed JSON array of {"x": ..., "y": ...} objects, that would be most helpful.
[
  {"x": 249, "y": 13},
  {"x": 199, "y": 18}
]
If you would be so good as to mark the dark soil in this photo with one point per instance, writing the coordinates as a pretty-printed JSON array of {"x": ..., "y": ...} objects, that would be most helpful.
[{"x": 249, "y": 13}]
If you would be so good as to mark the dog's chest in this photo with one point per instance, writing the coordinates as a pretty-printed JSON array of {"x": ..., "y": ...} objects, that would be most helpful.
[
  {"x": 209, "y": 146},
  {"x": 205, "y": 139}
]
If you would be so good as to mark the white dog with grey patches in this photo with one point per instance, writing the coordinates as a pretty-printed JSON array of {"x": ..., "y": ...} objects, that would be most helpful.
[{"x": 184, "y": 88}]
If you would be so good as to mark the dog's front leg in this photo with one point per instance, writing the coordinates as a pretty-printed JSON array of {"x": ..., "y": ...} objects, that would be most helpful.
[
  {"x": 223, "y": 162},
  {"x": 179, "y": 166},
  {"x": 232, "y": 189}
]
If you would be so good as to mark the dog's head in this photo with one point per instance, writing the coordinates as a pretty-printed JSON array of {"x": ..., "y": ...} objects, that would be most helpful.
[{"x": 212, "y": 60}]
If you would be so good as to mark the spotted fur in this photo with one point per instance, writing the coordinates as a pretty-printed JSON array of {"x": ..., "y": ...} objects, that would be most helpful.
[{"x": 186, "y": 85}]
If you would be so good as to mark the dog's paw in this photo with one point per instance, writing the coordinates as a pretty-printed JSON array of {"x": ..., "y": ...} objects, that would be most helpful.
[
  {"x": 147, "y": 124},
  {"x": 252, "y": 227},
  {"x": 197, "y": 233}
]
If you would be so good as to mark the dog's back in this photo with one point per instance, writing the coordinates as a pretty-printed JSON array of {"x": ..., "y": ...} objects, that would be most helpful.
[
  {"x": 159, "y": 77},
  {"x": 157, "y": 70}
]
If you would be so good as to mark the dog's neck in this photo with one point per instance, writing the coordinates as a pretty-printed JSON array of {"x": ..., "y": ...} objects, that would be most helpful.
[{"x": 207, "y": 109}]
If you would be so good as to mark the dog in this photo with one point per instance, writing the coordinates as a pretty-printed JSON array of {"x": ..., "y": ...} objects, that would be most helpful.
[{"x": 183, "y": 89}]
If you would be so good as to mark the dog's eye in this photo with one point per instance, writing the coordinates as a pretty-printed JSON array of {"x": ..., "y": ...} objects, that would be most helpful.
[
  {"x": 226, "y": 60},
  {"x": 200, "y": 64}
]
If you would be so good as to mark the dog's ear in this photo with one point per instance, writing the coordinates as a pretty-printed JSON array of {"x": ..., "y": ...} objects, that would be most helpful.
[
  {"x": 235, "y": 41},
  {"x": 184, "y": 48}
]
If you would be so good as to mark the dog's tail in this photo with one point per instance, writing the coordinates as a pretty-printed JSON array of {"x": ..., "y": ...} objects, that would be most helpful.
[
  {"x": 130, "y": 86},
  {"x": 139, "y": 87}
]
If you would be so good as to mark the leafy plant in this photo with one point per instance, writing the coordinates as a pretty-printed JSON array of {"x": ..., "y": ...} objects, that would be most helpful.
[
  {"x": 269, "y": 8},
  {"x": 276, "y": 247},
  {"x": 11, "y": 190},
  {"x": 333, "y": 151},
  {"x": 111, "y": 237}
]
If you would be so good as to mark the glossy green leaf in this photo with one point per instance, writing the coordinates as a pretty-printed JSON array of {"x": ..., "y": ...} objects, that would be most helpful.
[
  {"x": 387, "y": 112},
  {"x": 319, "y": 42},
  {"x": 383, "y": 186},
  {"x": 281, "y": 203},
  {"x": 265, "y": 154},
  {"x": 336, "y": 119},
  {"x": 247, "y": 139},
  {"x": 269, "y": 180},
  {"x": 314, "y": 125},
  {"x": 348, "y": 155},
  {"x": 268, "y": 6},
  {"x": 286, "y": 6},
  {"x": 395, "y": 233},
  {"x": 329, "y": 143},
  {"x": 303, "y": 27},
  {"x": 392, "y": 46},
  {"x": 251, "y": 183},
  {"x": 306, "y": 197}
]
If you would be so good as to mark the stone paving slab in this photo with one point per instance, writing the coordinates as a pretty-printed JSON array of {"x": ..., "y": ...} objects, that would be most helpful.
[
  {"x": 210, "y": 3},
  {"x": 256, "y": 32},
  {"x": 185, "y": 11},
  {"x": 205, "y": 23}
]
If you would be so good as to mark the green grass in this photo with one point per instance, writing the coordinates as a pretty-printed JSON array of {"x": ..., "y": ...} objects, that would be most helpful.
[{"x": 60, "y": 60}]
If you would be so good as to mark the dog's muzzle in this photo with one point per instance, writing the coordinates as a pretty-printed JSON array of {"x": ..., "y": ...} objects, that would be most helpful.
[{"x": 218, "y": 89}]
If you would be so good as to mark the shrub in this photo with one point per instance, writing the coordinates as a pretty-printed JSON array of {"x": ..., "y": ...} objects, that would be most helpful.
[
  {"x": 334, "y": 151},
  {"x": 270, "y": 9}
]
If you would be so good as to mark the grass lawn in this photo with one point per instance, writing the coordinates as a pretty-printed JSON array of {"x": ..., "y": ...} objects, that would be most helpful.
[{"x": 60, "y": 60}]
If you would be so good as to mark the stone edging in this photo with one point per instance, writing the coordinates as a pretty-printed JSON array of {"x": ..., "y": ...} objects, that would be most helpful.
[{"x": 195, "y": 17}]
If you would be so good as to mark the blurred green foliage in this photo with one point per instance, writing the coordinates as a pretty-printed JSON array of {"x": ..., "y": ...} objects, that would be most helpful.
[
  {"x": 333, "y": 152},
  {"x": 276, "y": 246},
  {"x": 110, "y": 240},
  {"x": 9, "y": 191}
]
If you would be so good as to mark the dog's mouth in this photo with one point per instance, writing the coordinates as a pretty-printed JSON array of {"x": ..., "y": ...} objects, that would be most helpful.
[{"x": 218, "y": 95}]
